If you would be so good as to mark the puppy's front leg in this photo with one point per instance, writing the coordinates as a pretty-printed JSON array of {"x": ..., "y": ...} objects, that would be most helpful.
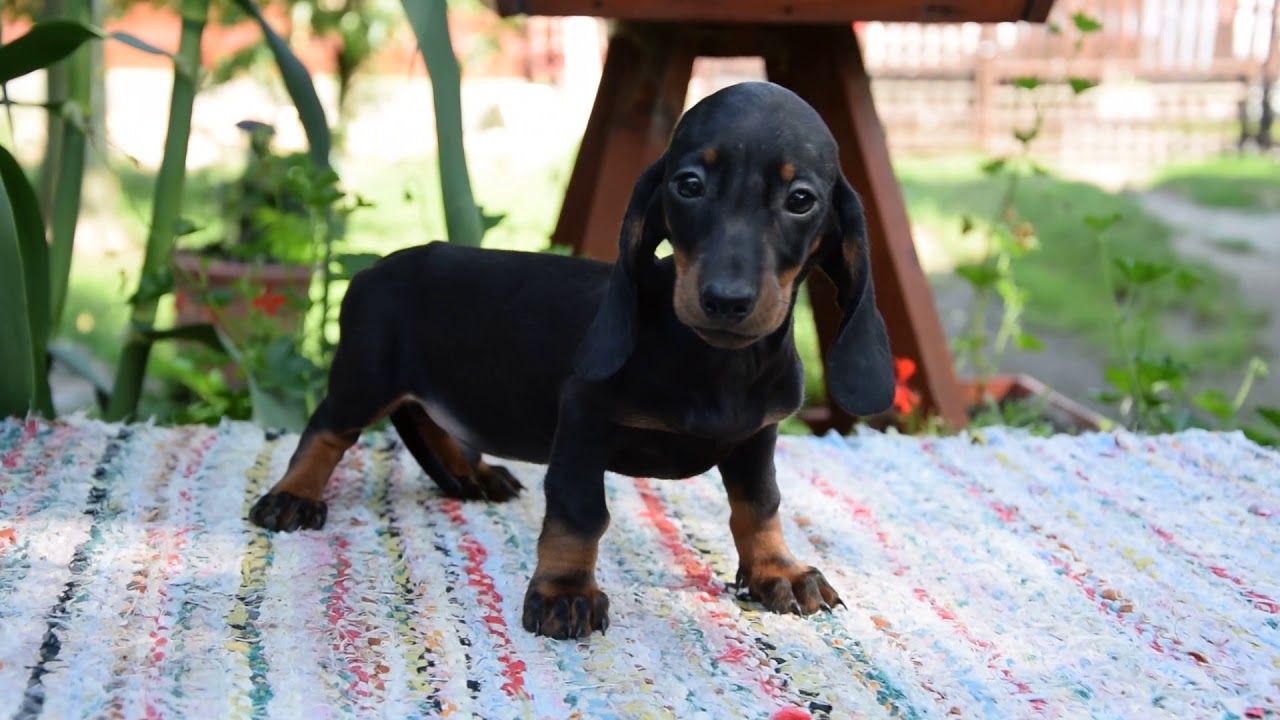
[
  {"x": 765, "y": 564},
  {"x": 563, "y": 600}
]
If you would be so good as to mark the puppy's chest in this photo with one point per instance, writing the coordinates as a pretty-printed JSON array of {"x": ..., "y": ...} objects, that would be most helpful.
[{"x": 714, "y": 413}]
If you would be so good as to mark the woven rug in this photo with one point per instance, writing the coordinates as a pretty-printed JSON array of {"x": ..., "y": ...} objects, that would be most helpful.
[{"x": 988, "y": 576}]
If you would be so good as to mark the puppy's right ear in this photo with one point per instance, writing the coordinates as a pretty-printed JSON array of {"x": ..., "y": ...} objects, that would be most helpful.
[{"x": 611, "y": 337}]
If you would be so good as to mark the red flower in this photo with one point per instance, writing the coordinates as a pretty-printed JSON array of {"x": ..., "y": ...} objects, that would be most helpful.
[
  {"x": 269, "y": 302},
  {"x": 904, "y": 398}
]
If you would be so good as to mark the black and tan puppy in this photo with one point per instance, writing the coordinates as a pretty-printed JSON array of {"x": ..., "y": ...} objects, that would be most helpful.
[{"x": 649, "y": 368}]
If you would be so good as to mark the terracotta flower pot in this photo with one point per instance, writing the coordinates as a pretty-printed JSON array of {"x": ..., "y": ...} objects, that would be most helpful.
[
  {"x": 276, "y": 291},
  {"x": 239, "y": 297},
  {"x": 1065, "y": 414}
]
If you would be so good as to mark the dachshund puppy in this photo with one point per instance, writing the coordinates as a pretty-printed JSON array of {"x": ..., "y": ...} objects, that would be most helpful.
[{"x": 659, "y": 368}]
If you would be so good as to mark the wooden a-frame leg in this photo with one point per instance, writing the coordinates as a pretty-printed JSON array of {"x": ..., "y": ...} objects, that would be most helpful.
[
  {"x": 643, "y": 86},
  {"x": 823, "y": 65}
]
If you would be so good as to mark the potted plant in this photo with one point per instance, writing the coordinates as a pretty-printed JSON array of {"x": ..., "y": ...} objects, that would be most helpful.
[
  {"x": 266, "y": 282},
  {"x": 261, "y": 268}
]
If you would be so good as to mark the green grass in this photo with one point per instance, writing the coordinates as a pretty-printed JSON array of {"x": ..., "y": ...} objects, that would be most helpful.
[
  {"x": 1244, "y": 182},
  {"x": 1217, "y": 328}
]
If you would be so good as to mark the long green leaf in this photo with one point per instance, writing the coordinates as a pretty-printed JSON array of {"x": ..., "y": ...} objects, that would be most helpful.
[
  {"x": 30, "y": 229},
  {"x": 43, "y": 45},
  {"x": 205, "y": 333},
  {"x": 298, "y": 82},
  {"x": 430, "y": 23},
  {"x": 140, "y": 44},
  {"x": 35, "y": 263},
  {"x": 17, "y": 356},
  {"x": 49, "y": 41}
]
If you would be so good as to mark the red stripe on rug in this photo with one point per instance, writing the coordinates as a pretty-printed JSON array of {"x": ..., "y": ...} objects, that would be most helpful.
[
  {"x": 160, "y": 629},
  {"x": 349, "y": 628},
  {"x": 1260, "y": 601},
  {"x": 863, "y": 515},
  {"x": 343, "y": 622},
  {"x": 488, "y": 598},
  {"x": 14, "y": 456},
  {"x": 701, "y": 577},
  {"x": 171, "y": 545},
  {"x": 1094, "y": 587},
  {"x": 34, "y": 487}
]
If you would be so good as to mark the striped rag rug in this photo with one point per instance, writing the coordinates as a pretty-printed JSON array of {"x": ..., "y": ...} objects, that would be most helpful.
[{"x": 993, "y": 575}]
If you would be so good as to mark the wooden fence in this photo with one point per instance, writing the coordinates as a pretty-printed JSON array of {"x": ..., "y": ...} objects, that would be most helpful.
[
  {"x": 1174, "y": 78},
  {"x": 1158, "y": 40}
]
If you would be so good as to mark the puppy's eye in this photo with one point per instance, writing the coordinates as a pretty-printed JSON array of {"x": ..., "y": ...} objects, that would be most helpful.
[
  {"x": 689, "y": 186},
  {"x": 800, "y": 202}
]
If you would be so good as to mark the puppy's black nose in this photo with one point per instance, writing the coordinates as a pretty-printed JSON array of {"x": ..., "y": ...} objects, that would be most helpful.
[{"x": 732, "y": 301}]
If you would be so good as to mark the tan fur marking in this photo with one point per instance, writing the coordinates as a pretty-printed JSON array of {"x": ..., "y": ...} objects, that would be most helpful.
[
  {"x": 850, "y": 251},
  {"x": 709, "y": 156},
  {"x": 311, "y": 466},
  {"x": 774, "y": 417},
  {"x": 445, "y": 448},
  {"x": 681, "y": 260},
  {"x": 634, "y": 230},
  {"x": 761, "y": 547},
  {"x": 563, "y": 554},
  {"x": 642, "y": 422},
  {"x": 788, "y": 172},
  {"x": 787, "y": 278},
  {"x": 685, "y": 298},
  {"x": 442, "y": 445}
]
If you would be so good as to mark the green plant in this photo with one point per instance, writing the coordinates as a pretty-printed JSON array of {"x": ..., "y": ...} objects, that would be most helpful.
[
  {"x": 282, "y": 364},
  {"x": 1151, "y": 389},
  {"x": 263, "y": 216},
  {"x": 1009, "y": 236},
  {"x": 33, "y": 275},
  {"x": 157, "y": 274},
  {"x": 24, "y": 296},
  {"x": 1147, "y": 389},
  {"x": 1268, "y": 431}
]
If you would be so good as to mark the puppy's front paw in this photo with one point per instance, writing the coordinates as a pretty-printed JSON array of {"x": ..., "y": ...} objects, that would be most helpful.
[
  {"x": 564, "y": 608},
  {"x": 286, "y": 512},
  {"x": 789, "y": 587}
]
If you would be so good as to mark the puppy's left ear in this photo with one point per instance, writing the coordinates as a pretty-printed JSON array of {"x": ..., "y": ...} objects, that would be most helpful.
[
  {"x": 860, "y": 373},
  {"x": 611, "y": 337}
]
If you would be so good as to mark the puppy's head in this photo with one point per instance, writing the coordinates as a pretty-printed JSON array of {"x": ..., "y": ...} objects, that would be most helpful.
[
  {"x": 749, "y": 190},
  {"x": 749, "y": 193}
]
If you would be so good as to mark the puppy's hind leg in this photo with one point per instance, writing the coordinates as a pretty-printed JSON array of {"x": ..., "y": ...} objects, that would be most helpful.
[
  {"x": 459, "y": 472},
  {"x": 296, "y": 502}
]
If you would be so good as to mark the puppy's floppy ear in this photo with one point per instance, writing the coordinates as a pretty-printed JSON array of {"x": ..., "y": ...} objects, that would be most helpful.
[
  {"x": 859, "y": 365},
  {"x": 611, "y": 337}
]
